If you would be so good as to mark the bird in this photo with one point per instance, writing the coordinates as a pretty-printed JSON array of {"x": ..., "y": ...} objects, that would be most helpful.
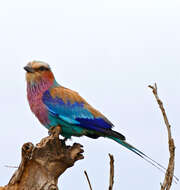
[{"x": 55, "y": 105}]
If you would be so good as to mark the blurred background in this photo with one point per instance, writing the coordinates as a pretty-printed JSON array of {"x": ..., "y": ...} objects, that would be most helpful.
[{"x": 109, "y": 51}]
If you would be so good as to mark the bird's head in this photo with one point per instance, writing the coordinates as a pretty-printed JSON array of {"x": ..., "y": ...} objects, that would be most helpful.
[{"x": 37, "y": 71}]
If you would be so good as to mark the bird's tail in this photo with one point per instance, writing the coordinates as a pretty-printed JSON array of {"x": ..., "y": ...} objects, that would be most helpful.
[{"x": 141, "y": 154}]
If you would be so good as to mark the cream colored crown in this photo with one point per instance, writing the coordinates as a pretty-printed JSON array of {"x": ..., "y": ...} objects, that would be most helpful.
[{"x": 38, "y": 64}]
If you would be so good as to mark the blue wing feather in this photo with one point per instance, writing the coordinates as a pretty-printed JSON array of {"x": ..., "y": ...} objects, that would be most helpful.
[{"x": 74, "y": 113}]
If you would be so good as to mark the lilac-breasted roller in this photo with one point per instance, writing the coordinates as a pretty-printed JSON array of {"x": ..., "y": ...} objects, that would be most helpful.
[{"x": 55, "y": 105}]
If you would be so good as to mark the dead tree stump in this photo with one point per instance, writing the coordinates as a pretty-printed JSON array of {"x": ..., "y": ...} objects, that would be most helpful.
[{"x": 41, "y": 165}]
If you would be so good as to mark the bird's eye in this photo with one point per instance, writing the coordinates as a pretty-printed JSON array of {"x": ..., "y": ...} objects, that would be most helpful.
[{"x": 42, "y": 69}]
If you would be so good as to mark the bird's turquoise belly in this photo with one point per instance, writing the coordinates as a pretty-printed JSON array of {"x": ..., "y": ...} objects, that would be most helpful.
[{"x": 68, "y": 130}]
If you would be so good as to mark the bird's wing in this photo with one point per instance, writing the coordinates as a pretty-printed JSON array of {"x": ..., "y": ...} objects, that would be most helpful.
[{"x": 70, "y": 107}]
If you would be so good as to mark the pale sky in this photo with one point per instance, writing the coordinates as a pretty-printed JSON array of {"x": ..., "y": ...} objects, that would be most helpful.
[{"x": 109, "y": 51}]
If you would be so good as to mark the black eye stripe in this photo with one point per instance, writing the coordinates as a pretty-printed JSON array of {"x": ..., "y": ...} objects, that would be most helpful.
[{"x": 42, "y": 68}]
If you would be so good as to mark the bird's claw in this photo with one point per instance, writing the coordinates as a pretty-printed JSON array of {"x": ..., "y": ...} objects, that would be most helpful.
[
  {"x": 50, "y": 131},
  {"x": 54, "y": 131}
]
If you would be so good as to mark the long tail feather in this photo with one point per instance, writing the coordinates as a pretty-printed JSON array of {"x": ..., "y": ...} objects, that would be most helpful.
[{"x": 142, "y": 155}]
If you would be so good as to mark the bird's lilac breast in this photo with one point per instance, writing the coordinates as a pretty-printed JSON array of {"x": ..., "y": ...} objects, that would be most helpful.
[{"x": 37, "y": 106}]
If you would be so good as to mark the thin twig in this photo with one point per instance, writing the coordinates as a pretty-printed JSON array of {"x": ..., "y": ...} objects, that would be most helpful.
[
  {"x": 88, "y": 180},
  {"x": 111, "y": 176},
  {"x": 10, "y": 166},
  {"x": 170, "y": 170}
]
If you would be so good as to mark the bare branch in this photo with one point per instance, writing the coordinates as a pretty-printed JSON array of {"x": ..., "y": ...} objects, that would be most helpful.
[
  {"x": 43, "y": 164},
  {"x": 13, "y": 167},
  {"x": 111, "y": 176},
  {"x": 88, "y": 180},
  {"x": 170, "y": 170}
]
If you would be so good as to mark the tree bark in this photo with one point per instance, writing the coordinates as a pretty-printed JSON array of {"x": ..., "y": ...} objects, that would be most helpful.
[{"x": 43, "y": 164}]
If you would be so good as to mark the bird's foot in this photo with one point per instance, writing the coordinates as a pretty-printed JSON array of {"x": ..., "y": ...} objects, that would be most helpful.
[{"x": 54, "y": 131}]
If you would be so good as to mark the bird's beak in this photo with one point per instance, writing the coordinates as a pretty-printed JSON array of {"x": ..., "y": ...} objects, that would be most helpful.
[{"x": 29, "y": 69}]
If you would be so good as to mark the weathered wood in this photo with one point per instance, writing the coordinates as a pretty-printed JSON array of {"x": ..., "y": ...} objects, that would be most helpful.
[{"x": 42, "y": 164}]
